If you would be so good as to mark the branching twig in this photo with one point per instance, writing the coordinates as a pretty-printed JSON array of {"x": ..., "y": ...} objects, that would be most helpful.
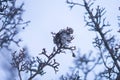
[{"x": 36, "y": 65}]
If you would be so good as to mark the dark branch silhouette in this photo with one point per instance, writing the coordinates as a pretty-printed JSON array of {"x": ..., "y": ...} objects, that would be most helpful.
[
  {"x": 11, "y": 23},
  {"x": 104, "y": 42}
]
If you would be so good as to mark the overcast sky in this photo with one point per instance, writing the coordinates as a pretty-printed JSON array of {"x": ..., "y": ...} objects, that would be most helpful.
[{"x": 48, "y": 16}]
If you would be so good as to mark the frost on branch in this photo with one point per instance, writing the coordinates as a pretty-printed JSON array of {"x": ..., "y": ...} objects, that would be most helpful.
[{"x": 63, "y": 37}]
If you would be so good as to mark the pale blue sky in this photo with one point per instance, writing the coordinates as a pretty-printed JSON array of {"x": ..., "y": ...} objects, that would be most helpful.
[{"x": 48, "y": 16}]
